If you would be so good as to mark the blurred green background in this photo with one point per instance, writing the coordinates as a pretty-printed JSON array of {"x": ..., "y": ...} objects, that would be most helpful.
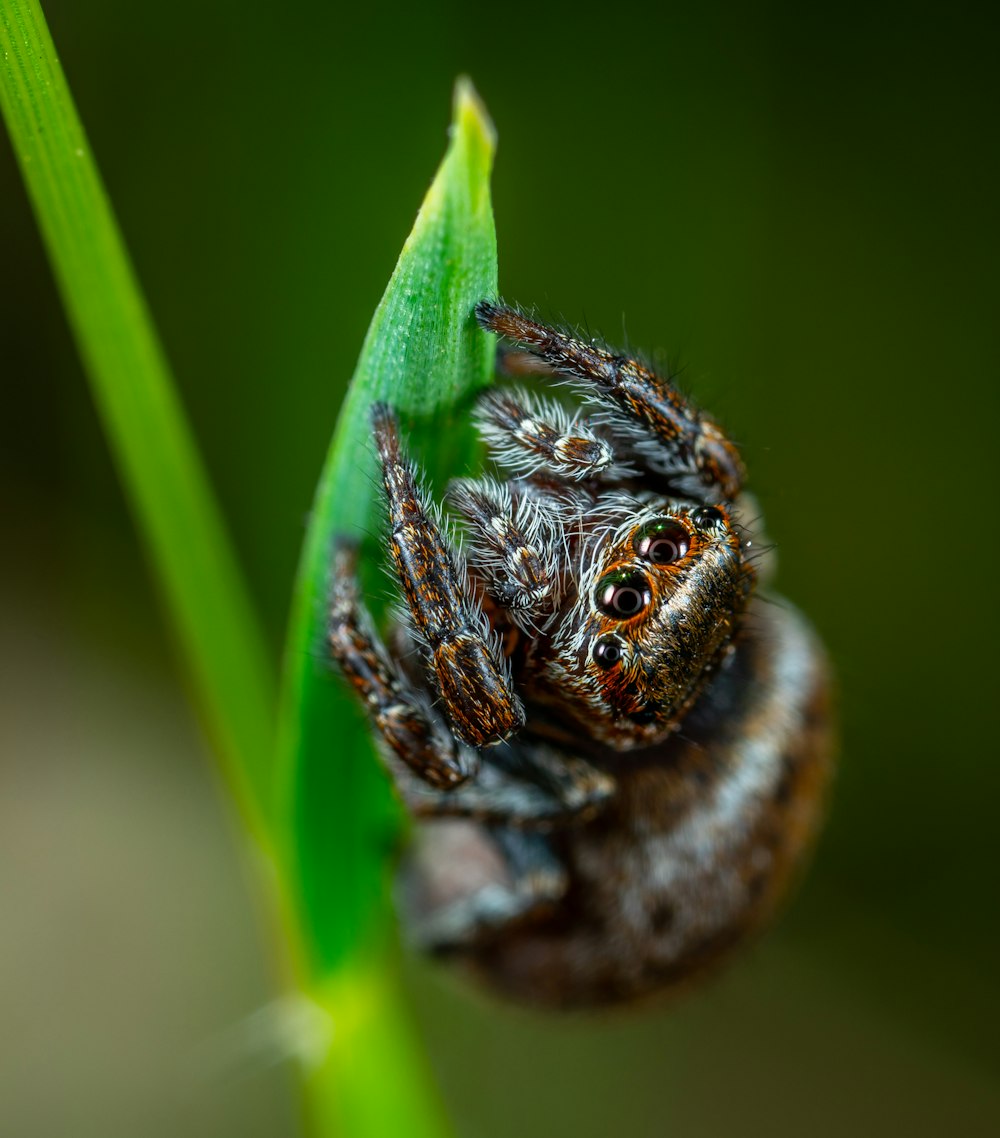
[{"x": 797, "y": 204}]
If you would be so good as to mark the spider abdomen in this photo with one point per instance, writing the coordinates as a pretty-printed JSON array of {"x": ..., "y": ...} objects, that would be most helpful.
[{"x": 695, "y": 850}]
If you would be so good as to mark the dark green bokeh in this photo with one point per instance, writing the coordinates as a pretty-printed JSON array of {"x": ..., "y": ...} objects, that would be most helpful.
[{"x": 799, "y": 205}]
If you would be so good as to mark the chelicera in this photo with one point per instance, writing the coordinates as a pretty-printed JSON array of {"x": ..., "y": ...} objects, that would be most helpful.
[{"x": 614, "y": 745}]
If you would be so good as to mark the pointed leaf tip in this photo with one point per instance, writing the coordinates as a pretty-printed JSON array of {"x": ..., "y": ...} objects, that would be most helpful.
[{"x": 471, "y": 118}]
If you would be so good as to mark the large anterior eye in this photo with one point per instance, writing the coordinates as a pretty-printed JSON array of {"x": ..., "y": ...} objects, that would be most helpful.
[
  {"x": 662, "y": 541},
  {"x": 624, "y": 593}
]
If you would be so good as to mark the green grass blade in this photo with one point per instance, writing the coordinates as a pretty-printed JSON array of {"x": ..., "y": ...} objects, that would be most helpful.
[
  {"x": 374, "y": 1081},
  {"x": 425, "y": 355},
  {"x": 156, "y": 457}
]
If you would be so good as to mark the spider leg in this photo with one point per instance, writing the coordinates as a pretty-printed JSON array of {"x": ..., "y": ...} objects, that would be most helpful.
[
  {"x": 404, "y": 721},
  {"x": 465, "y": 658},
  {"x": 464, "y": 883},
  {"x": 531, "y": 787},
  {"x": 689, "y": 441},
  {"x": 528, "y": 433},
  {"x": 515, "y": 363},
  {"x": 581, "y": 788},
  {"x": 507, "y": 543},
  {"x": 431, "y": 770}
]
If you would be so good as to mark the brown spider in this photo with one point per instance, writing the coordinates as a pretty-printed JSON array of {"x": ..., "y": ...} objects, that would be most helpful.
[{"x": 617, "y": 752}]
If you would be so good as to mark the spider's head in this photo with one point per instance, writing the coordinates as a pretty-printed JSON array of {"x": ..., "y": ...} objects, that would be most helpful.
[{"x": 657, "y": 605}]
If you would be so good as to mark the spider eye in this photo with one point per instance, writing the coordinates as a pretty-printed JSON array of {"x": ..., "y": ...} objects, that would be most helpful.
[
  {"x": 662, "y": 542},
  {"x": 607, "y": 651},
  {"x": 623, "y": 594},
  {"x": 707, "y": 517}
]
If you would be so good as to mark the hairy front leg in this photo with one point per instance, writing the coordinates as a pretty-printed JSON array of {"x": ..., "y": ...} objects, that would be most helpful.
[
  {"x": 685, "y": 440},
  {"x": 466, "y": 662},
  {"x": 404, "y": 722},
  {"x": 526, "y": 785}
]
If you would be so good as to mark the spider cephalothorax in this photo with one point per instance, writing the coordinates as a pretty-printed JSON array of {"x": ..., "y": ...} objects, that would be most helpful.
[
  {"x": 616, "y": 766},
  {"x": 657, "y": 595}
]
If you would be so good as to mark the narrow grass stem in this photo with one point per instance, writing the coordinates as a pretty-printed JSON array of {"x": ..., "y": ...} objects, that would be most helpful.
[{"x": 190, "y": 553}]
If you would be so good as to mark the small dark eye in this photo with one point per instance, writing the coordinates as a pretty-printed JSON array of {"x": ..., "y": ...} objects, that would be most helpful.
[
  {"x": 623, "y": 594},
  {"x": 662, "y": 542},
  {"x": 607, "y": 652},
  {"x": 707, "y": 517}
]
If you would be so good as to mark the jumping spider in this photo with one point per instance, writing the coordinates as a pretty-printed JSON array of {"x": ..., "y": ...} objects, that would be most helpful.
[{"x": 616, "y": 750}]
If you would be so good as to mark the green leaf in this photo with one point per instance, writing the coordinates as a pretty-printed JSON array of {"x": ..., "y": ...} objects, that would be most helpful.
[
  {"x": 190, "y": 553},
  {"x": 425, "y": 356}
]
